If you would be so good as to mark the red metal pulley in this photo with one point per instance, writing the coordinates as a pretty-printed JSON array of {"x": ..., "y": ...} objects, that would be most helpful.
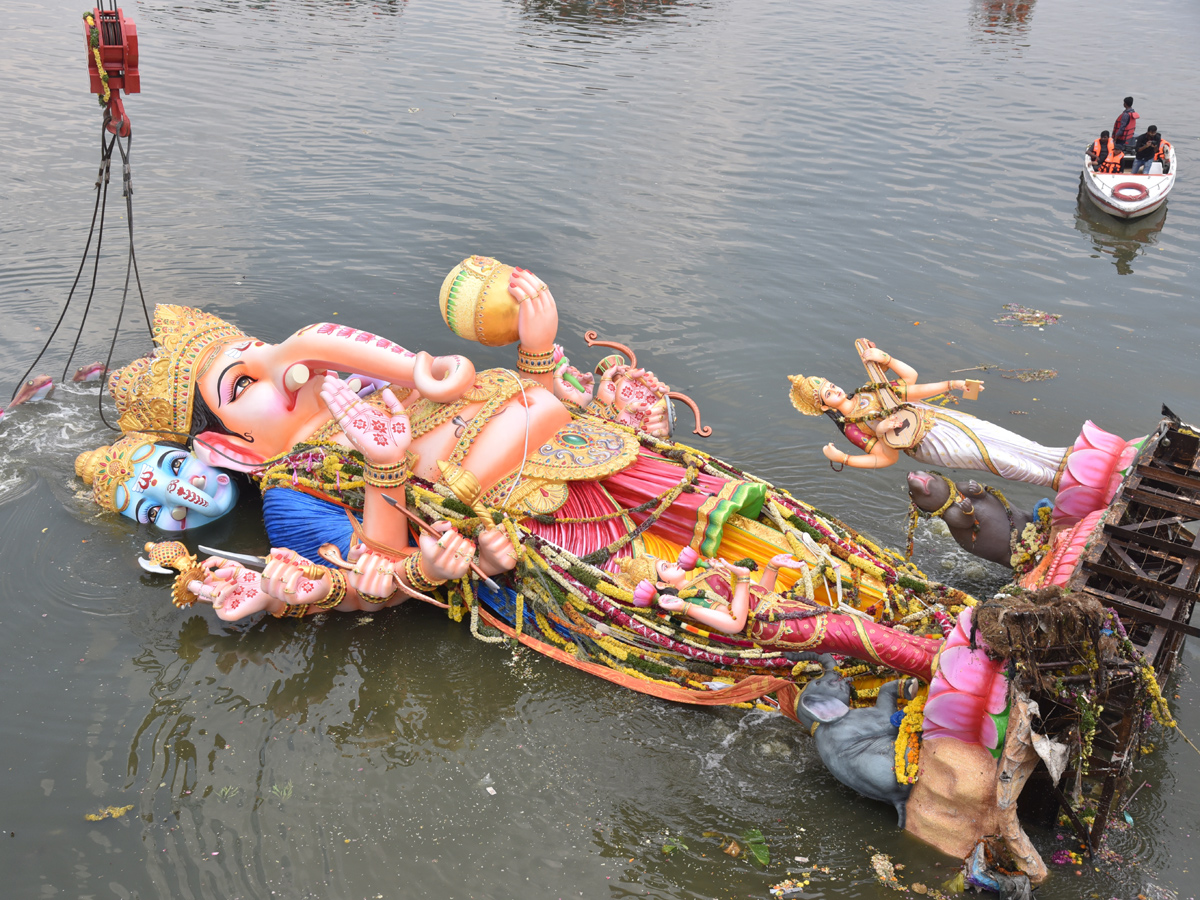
[{"x": 112, "y": 50}]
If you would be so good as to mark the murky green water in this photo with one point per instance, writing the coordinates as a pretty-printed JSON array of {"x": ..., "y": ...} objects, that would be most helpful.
[{"x": 736, "y": 189}]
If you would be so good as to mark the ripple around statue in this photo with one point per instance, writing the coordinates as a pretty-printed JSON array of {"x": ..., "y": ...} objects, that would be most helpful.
[{"x": 610, "y": 543}]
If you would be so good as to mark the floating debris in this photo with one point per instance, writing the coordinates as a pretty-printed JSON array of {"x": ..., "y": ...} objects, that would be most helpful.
[
  {"x": 1029, "y": 374},
  {"x": 786, "y": 890},
  {"x": 1017, "y": 412},
  {"x": 114, "y": 812},
  {"x": 1024, "y": 315},
  {"x": 885, "y": 871}
]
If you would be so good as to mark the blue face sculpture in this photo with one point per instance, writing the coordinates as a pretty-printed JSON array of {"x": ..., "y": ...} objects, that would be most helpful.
[
  {"x": 173, "y": 490},
  {"x": 159, "y": 484}
]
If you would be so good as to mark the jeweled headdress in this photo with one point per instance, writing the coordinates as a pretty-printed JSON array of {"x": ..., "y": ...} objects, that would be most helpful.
[
  {"x": 155, "y": 394},
  {"x": 107, "y": 468},
  {"x": 806, "y": 393},
  {"x": 635, "y": 570}
]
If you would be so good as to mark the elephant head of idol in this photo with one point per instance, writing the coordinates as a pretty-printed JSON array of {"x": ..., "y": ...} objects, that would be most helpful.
[{"x": 243, "y": 401}]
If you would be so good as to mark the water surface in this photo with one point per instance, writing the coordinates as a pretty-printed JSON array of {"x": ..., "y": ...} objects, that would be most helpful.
[{"x": 738, "y": 190}]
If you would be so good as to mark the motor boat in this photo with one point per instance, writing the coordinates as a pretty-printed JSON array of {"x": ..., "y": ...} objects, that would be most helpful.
[{"x": 1128, "y": 196}]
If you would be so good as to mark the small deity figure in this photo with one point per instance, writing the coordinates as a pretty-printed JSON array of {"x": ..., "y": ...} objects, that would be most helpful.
[
  {"x": 733, "y": 604},
  {"x": 156, "y": 483},
  {"x": 885, "y": 416}
]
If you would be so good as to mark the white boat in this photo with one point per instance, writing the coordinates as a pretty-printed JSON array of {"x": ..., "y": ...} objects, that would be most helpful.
[{"x": 1128, "y": 196}]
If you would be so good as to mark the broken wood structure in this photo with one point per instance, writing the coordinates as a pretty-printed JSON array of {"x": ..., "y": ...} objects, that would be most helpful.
[{"x": 1144, "y": 563}]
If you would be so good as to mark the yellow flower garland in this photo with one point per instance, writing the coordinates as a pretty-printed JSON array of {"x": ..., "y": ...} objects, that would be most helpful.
[{"x": 908, "y": 741}]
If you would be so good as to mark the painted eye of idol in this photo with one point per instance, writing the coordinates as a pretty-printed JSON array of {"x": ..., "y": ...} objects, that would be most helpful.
[{"x": 235, "y": 387}]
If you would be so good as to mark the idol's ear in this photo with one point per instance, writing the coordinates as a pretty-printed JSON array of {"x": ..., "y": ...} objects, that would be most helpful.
[
  {"x": 823, "y": 709},
  {"x": 224, "y": 452}
]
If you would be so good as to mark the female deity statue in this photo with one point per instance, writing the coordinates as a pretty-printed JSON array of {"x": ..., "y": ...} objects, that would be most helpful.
[
  {"x": 733, "y": 604},
  {"x": 936, "y": 436}
]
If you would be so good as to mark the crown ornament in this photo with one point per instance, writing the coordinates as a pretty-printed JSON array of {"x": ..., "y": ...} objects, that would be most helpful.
[
  {"x": 106, "y": 468},
  {"x": 155, "y": 394},
  {"x": 806, "y": 393}
]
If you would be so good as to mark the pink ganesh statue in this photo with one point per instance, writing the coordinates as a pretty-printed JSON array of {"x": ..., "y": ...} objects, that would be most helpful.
[{"x": 541, "y": 440}]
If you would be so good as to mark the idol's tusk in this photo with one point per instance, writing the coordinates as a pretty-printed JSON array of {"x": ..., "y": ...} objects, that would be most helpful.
[
  {"x": 179, "y": 513},
  {"x": 355, "y": 385},
  {"x": 151, "y": 567},
  {"x": 296, "y": 377}
]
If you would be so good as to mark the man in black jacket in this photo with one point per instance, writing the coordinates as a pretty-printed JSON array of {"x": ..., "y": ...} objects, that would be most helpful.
[{"x": 1147, "y": 149}]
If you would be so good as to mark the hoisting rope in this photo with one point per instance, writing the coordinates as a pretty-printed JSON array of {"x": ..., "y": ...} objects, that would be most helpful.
[{"x": 98, "y": 210}]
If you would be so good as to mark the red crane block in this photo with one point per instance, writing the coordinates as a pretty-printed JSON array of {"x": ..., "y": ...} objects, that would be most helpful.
[{"x": 112, "y": 55}]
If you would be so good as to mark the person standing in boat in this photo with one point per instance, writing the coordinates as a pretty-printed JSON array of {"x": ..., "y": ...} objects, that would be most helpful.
[
  {"x": 1125, "y": 127},
  {"x": 1105, "y": 156},
  {"x": 1147, "y": 150}
]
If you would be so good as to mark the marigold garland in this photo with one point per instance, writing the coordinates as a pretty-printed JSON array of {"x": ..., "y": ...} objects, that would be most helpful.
[{"x": 908, "y": 741}]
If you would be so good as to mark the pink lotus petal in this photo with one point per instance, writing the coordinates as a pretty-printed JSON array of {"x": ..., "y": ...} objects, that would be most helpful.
[
  {"x": 1091, "y": 467},
  {"x": 938, "y": 686},
  {"x": 957, "y": 711},
  {"x": 1100, "y": 439},
  {"x": 1075, "y": 503},
  {"x": 932, "y": 731},
  {"x": 989, "y": 735},
  {"x": 997, "y": 697},
  {"x": 968, "y": 670}
]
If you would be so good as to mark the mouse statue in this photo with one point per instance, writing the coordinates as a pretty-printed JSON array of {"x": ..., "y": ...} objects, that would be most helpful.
[{"x": 981, "y": 520}]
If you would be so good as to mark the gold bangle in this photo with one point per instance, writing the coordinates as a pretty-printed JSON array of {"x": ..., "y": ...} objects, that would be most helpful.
[
  {"x": 743, "y": 579},
  {"x": 389, "y": 475},
  {"x": 337, "y": 592},
  {"x": 374, "y": 598},
  {"x": 888, "y": 362},
  {"x": 415, "y": 577},
  {"x": 687, "y": 608},
  {"x": 845, "y": 457},
  {"x": 535, "y": 363}
]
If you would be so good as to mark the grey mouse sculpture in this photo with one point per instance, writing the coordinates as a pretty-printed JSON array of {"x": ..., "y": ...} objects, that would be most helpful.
[
  {"x": 856, "y": 745},
  {"x": 980, "y": 521}
]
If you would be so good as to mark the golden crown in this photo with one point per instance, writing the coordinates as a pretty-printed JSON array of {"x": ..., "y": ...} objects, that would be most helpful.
[
  {"x": 155, "y": 394},
  {"x": 107, "y": 468},
  {"x": 806, "y": 393},
  {"x": 636, "y": 569}
]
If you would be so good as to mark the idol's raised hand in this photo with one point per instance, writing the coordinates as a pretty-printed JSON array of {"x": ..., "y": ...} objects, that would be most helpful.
[
  {"x": 382, "y": 436},
  {"x": 537, "y": 319}
]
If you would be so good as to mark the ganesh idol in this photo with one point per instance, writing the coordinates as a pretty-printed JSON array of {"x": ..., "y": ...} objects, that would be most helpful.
[{"x": 527, "y": 442}]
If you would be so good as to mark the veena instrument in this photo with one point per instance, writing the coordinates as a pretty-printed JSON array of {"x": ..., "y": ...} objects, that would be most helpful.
[{"x": 908, "y": 432}]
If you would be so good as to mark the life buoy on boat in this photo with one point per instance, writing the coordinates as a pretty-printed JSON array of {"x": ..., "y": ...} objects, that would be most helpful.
[{"x": 1130, "y": 191}]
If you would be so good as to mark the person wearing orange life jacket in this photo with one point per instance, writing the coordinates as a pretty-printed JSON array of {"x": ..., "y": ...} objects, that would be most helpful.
[
  {"x": 1147, "y": 150},
  {"x": 1105, "y": 156},
  {"x": 1164, "y": 155},
  {"x": 1125, "y": 128}
]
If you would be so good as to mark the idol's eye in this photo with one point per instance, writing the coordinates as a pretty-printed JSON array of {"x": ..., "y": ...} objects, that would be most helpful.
[
  {"x": 152, "y": 513},
  {"x": 240, "y": 385},
  {"x": 177, "y": 462}
]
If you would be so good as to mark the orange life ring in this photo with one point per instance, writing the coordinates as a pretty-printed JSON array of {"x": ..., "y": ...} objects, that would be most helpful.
[{"x": 1121, "y": 191}]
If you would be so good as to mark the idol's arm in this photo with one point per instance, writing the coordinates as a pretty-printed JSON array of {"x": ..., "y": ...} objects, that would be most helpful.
[
  {"x": 880, "y": 456},
  {"x": 924, "y": 391}
]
